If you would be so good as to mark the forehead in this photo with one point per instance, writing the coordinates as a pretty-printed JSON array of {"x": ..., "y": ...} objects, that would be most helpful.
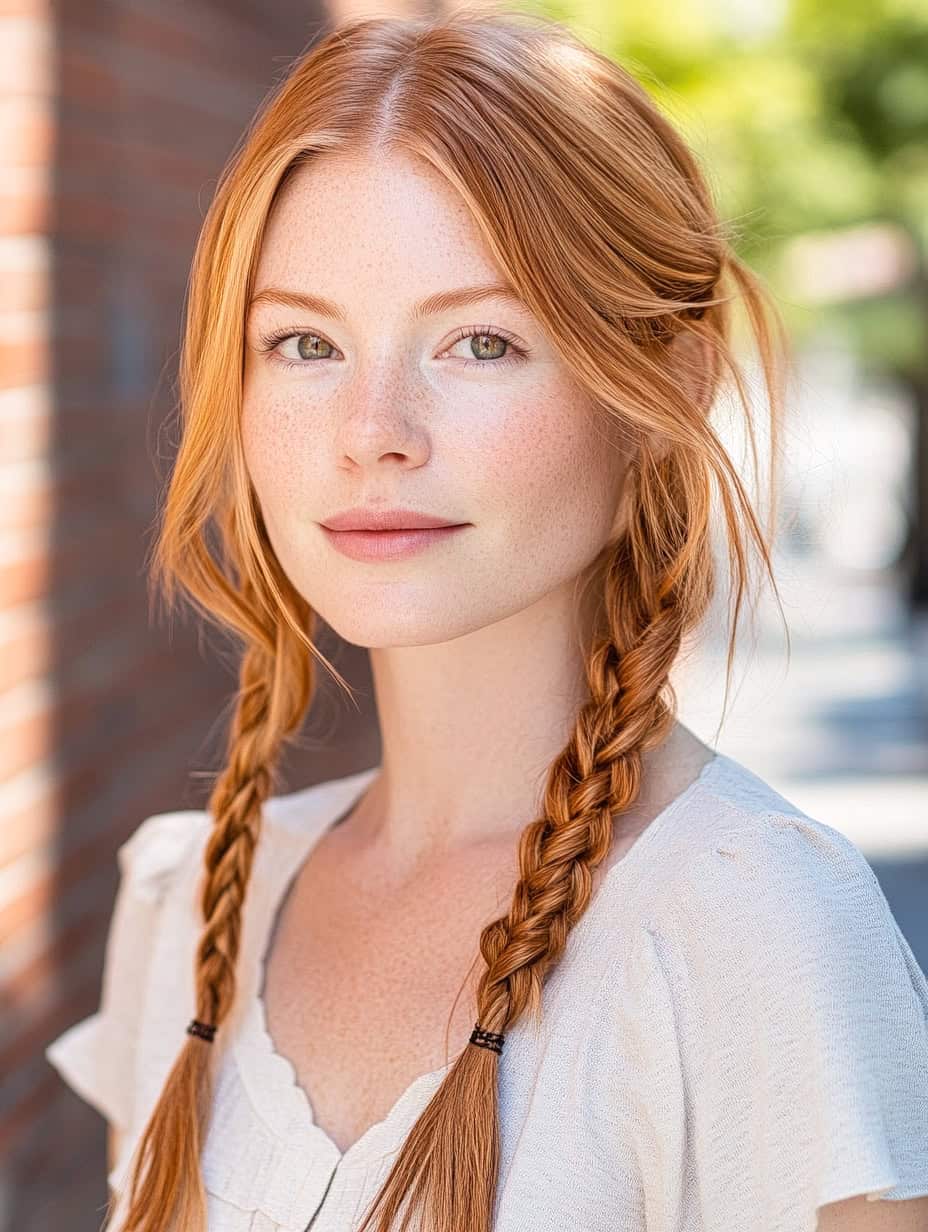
[{"x": 367, "y": 229}]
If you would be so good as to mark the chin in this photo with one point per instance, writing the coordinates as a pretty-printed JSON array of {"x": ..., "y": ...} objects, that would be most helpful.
[{"x": 405, "y": 625}]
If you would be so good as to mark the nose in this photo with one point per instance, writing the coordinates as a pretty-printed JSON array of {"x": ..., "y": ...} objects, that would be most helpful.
[{"x": 384, "y": 418}]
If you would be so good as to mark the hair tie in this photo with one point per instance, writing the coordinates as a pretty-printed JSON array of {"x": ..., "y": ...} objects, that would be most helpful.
[
  {"x": 204, "y": 1030},
  {"x": 486, "y": 1039}
]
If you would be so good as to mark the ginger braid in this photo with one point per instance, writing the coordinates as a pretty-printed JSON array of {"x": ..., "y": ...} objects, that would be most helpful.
[
  {"x": 275, "y": 684},
  {"x": 452, "y": 1169}
]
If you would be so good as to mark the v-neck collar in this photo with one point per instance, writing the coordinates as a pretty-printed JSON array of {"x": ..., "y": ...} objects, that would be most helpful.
[{"x": 293, "y": 825}]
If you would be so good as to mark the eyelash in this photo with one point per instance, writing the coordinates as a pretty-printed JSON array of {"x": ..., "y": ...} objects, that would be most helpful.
[{"x": 269, "y": 342}]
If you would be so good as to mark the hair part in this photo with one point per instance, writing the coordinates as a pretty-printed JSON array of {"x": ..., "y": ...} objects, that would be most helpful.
[{"x": 525, "y": 121}]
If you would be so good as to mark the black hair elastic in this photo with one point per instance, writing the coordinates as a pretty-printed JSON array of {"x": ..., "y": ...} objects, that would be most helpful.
[
  {"x": 204, "y": 1030},
  {"x": 486, "y": 1039}
]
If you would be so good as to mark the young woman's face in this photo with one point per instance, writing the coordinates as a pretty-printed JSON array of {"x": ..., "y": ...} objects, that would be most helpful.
[{"x": 385, "y": 408}]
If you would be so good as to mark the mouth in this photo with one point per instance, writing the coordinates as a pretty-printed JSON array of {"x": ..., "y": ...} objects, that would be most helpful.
[{"x": 396, "y": 543}]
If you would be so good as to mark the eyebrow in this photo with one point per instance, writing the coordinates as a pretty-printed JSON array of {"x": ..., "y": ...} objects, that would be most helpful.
[{"x": 442, "y": 301}]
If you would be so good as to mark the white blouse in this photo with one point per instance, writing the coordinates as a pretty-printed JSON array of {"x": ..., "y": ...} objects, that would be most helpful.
[{"x": 735, "y": 1034}]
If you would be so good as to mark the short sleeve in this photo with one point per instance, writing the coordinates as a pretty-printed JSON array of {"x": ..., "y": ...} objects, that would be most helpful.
[
  {"x": 96, "y": 1056},
  {"x": 800, "y": 1017}
]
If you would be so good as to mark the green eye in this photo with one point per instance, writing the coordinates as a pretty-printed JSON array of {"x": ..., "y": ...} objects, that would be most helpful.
[
  {"x": 489, "y": 338},
  {"x": 309, "y": 351}
]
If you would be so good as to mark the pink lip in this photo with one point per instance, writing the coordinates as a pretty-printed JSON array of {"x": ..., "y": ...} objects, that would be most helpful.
[
  {"x": 387, "y": 544},
  {"x": 362, "y": 518}
]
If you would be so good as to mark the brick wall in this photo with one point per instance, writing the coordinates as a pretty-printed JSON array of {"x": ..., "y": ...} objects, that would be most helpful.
[{"x": 116, "y": 119}]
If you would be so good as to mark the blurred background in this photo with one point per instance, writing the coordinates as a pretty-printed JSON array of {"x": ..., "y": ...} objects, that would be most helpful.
[{"x": 811, "y": 120}]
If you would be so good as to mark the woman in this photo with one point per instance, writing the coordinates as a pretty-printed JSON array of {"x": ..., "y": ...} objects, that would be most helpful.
[{"x": 456, "y": 318}]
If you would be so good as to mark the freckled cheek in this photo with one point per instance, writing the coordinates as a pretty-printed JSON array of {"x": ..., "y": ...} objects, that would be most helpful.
[
  {"x": 543, "y": 458},
  {"x": 281, "y": 451}
]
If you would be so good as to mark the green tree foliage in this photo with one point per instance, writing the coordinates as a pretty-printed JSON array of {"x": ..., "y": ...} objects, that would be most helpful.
[{"x": 807, "y": 116}]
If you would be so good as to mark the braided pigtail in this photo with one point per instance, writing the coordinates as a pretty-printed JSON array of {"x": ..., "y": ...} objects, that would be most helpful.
[{"x": 166, "y": 1187}]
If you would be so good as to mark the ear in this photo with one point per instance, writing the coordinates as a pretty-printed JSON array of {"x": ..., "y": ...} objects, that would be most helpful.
[{"x": 694, "y": 361}]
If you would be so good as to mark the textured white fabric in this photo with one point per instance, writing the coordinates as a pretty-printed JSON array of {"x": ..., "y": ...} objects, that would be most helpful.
[{"x": 736, "y": 1033}]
